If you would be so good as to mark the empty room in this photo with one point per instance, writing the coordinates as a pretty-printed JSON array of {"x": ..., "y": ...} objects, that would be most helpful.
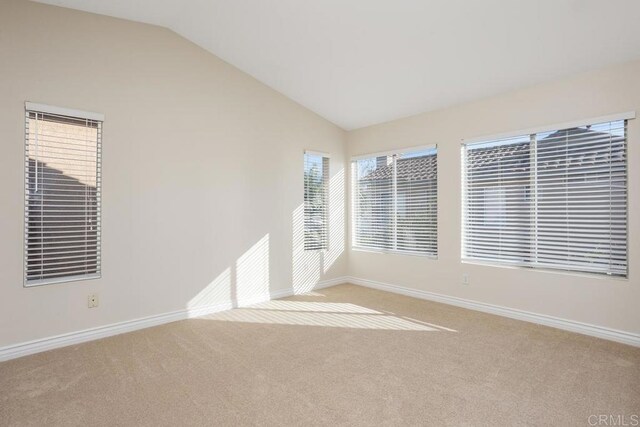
[{"x": 332, "y": 213}]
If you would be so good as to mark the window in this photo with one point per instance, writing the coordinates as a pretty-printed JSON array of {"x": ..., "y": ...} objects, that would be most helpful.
[
  {"x": 555, "y": 200},
  {"x": 62, "y": 191},
  {"x": 316, "y": 200},
  {"x": 395, "y": 206}
]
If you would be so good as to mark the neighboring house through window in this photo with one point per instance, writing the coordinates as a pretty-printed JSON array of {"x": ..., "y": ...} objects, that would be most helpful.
[
  {"x": 62, "y": 190},
  {"x": 555, "y": 199},
  {"x": 395, "y": 202}
]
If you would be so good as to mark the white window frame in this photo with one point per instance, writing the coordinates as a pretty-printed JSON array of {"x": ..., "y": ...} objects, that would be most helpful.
[
  {"x": 31, "y": 107},
  {"x": 396, "y": 152},
  {"x": 326, "y": 183},
  {"x": 625, "y": 116}
]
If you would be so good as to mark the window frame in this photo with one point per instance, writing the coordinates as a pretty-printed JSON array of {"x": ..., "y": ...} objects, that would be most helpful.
[
  {"x": 354, "y": 210},
  {"x": 625, "y": 116},
  {"x": 325, "y": 159},
  {"x": 72, "y": 115}
]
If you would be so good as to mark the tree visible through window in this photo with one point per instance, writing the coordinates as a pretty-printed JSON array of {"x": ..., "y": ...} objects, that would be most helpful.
[{"x": 316, "y": 200}]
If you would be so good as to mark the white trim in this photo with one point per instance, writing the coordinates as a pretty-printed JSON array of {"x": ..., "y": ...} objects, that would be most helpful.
[
  {"x": 624, "y": 337},
  {"x": 317, "y": 153},
  {"x": 43, "y": 344},
  {"x": 394, "y": 252},
  {"x": 62, "y": 111},
  {"x": 50, "y": 343},
  {"x": 44, "y": 282},
  {"x": 533, "y": 268},
  {"x": 572, "y": 124},
  {"x": 392, "y": 152}
]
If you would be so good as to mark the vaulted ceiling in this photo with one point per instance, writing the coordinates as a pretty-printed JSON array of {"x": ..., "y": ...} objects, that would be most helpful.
[{"x": 361, "y": 62}]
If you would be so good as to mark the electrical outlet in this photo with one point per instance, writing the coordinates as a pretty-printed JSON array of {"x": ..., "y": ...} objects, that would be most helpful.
[
  {"x": 93, "y": 300},
  {"x": 465, "y": 279}
]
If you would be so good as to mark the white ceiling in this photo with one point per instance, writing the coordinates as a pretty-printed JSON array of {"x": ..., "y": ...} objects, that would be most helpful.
[{"x": 361, "y": 62}]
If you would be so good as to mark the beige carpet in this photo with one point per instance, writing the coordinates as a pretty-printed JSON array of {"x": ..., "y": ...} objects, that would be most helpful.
[{"x": 339, "y": 356}]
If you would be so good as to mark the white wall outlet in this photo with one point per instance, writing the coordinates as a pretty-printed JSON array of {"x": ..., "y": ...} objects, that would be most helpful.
[
  {"x": 93, "y": 300},
  {"x": 465, "y": 278}
]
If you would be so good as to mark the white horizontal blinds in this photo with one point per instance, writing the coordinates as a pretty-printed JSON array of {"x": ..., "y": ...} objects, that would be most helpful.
[
  {"x": 550, "y": 200},
  {"x": 417, "y": 202},
  {"x": 582, "y": 199},
  {"x": 498, "y": 218},
  {"x": 395, "y": 202},
  {"x": 62, "y": 198},
  {"x": 316, "y": 201},
  {"x": 373, "y": 202}
]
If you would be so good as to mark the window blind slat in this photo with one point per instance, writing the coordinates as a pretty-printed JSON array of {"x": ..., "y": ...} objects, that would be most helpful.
[
  {"x": 62, "y": 198},
  {"x": 549, "y": 200},
  {"x": 395, "y": 202},
  {"x": 316, "y": 199}
]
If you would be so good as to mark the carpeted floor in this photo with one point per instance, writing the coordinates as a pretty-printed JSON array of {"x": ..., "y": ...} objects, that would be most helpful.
[{"x": 345, "y": 355}]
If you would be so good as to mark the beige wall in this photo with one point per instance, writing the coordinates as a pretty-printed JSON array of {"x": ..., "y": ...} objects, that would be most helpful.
[
  {"x": 601, "y": 301},
  {"x": 202, "y": 172},
  {"x": 202, "y": 180}
]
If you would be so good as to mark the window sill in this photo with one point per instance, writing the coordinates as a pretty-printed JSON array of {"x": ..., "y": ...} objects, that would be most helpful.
[
  {"x": 586, "y": 275},
  {"x": 392, "y": 252},
  {"x": 43, "y": 282}
]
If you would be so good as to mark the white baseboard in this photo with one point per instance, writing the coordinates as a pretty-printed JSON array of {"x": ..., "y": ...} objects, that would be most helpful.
[
  {"x": 542, "y": 319},
  {"x": 36, "y": 346},
  {"x": 49, "y": 343}
]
